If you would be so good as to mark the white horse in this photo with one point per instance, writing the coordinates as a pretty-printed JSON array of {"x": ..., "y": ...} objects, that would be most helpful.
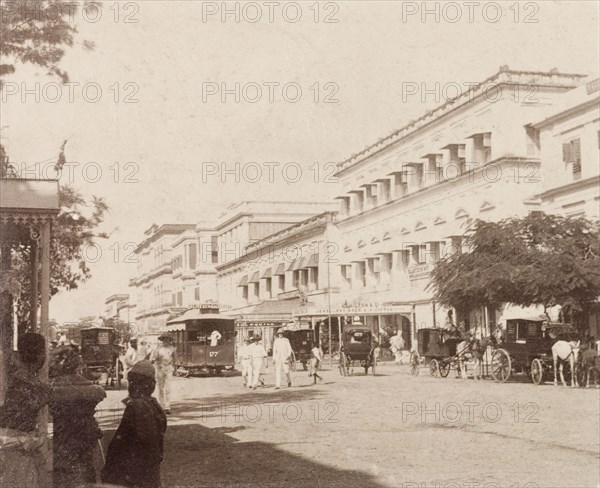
[{"x": 566, "y": 351}]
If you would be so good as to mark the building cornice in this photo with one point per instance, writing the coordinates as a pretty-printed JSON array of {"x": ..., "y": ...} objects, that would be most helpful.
[
  {"x": 593, "y": 181},
  {"x": 502, "y": 78},
  {"x": 591, "y": 103},
  {"x": 424, "y": 192}
]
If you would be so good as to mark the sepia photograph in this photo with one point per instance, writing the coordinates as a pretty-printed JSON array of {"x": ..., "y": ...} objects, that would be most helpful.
[{"x": 299, "y": 244}]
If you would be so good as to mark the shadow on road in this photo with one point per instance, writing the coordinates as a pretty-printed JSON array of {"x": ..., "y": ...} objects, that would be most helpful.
[{"x": 202, "y": 457}]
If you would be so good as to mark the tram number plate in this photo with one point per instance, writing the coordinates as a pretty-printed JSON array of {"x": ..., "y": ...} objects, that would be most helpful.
[{"x": 213, "y": 354}]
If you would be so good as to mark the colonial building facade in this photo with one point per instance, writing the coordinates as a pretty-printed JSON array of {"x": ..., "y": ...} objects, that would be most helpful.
[
  {"x": 517, "y": 142},
  {"x": 407, "y": 200}
]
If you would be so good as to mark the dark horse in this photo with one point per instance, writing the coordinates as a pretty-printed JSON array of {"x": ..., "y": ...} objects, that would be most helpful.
[{"x": 476, "y": 348}]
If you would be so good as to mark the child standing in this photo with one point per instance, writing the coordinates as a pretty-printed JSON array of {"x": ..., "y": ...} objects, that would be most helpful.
[
  {"x": 136, "y": 451},
  {"x": 315, "y": 360}
]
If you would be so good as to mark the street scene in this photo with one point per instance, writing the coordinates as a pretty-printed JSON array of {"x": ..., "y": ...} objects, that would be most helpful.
[
  {"x": 331, "y": 244},
  {"x": 391, "y": 430}
]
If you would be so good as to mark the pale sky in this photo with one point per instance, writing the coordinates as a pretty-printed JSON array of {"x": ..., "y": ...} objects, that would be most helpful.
[{"x": 165, "y": 60}]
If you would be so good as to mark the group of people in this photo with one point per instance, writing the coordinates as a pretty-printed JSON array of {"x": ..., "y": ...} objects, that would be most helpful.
[
  {"x": 253, "y": 358},
  {"x": 163, "y": 359},
  {"x": 134, "y": 454}
]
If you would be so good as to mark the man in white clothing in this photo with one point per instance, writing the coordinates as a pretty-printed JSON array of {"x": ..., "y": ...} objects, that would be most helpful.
[
  {"x": 131, "y": 356},
  {"x": 246, "y": 363},
  {"x": 282, "y": 354},
  {"x": 257, "y": 355},
  {"x": 215, "y": 337}
]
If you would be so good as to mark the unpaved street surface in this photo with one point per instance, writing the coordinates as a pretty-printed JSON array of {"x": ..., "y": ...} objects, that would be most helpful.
[{"x": 390, "y": 430}]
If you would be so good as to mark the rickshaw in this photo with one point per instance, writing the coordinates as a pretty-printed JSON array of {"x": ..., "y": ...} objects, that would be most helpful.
[
  {"x": 302, "y": 342},
  {"x": 357, "y": 348},
  {"x": 204, "y": 342},
  {"x": 527, "y": 348},
  {"x": 437, "y": 348},
  {"x": 100, "y": 355}
]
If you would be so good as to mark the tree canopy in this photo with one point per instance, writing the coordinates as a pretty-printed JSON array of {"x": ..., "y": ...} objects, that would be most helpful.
[
  {"x": 540, "y": 259},
  {"x": 36, "y": 32}
]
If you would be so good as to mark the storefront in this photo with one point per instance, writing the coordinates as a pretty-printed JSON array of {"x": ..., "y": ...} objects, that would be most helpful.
[{"x": 384, "y": 319}]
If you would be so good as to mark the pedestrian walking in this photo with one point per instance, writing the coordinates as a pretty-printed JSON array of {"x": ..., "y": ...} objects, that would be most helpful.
[
  {"x": 257, "y": 355},
  {"x": 282, "y": 354},
  {"x": 136, "y": 450},
  {"x": 246, "y": 363},
  {"x": 131, "y": 355},
  {"x": 397, "y": 344},
  {"x": 142, "y": 350},
  {"x": 316, "y": 358},
  {"x": 163, "y": 358}
]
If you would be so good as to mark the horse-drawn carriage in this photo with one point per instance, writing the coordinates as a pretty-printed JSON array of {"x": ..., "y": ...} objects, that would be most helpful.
[
  {"x": 527, "y": 348},
  {"x": 357, "y": 348},
  {"x": 302, "y": 342},
  {"x": 439, "y": 349},
  {"x": 100, "y": 356}
]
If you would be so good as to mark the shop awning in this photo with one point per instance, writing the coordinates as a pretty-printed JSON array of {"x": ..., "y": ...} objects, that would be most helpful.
[
  {"x": 243, "y": 281},
  {"x": 280, "y": 269},
  {"x": 255, "y": 278},
  {"x": 295, "y": 265},
  {"x": 268, "y": 273}
]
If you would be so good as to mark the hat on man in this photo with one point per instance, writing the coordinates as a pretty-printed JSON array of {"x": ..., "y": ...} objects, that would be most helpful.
[
  {"x": 255, "y": 338},
  {"x": 164, "y": 338},
  {"x": 280, "y": 331},
  {"x": 143, "y": 368}
]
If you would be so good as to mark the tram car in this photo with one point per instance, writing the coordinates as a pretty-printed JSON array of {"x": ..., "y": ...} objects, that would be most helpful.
[
  {"x": 204, "y": 342},
  {"x": 357, "y": 348},
  {"x": 100, "y": 355}
]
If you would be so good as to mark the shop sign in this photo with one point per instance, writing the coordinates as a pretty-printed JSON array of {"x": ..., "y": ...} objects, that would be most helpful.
[
  {"x": 420, "y": 272},
  {"x": 364, "y": 309},
  {"x": 286, "y": 295}
]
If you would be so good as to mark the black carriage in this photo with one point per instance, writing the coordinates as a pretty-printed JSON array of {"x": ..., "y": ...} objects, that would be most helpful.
[
  {"x": 526, "y": 347},
  {"x": 302, "y": 342},
  {"x": 100, "y": 356},
  {"x": 357, "y": 349},
  {"x": 438, "y": 349},
  {"x": 204, "y": 342}
]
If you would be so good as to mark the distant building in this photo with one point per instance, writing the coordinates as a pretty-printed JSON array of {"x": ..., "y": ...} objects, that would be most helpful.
[{"x": 153, "y": 284}]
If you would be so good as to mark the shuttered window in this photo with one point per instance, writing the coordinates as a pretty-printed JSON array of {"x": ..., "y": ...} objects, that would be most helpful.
[{"x": 572, "y": 156}]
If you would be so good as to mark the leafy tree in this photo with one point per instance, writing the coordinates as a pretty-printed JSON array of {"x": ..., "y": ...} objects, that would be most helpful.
[
  {"x": 37, "y": 32},
  {"x": 540, "y": 259}
]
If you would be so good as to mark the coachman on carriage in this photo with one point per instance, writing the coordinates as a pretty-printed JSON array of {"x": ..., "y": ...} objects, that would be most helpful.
[{"x": 357, "y": 348}]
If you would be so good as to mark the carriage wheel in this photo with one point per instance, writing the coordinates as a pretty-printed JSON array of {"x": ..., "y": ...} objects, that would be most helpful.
[
  {"x": 415, "y": 362},
  {"x": 444, "y": 368},
  {"x": 537, "y": 371},
  {"x": 501, "y": 365},
  {"x": 433, "y": 368}
]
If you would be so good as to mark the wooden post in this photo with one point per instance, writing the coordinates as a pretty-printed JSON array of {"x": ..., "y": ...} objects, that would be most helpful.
[
  {"x": 35, "y": 265},
  {"x": 44, "y": 329}
]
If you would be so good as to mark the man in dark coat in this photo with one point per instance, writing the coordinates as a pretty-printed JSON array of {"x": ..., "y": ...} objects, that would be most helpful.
[{"x": 136, "y": 451}]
